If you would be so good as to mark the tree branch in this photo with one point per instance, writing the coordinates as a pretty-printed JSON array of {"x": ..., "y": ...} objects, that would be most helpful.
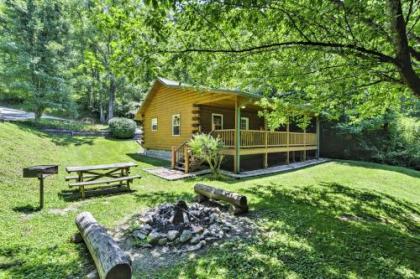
[
  {"x": 415, "y": 54},
  {"x": 267, "y": 47}
]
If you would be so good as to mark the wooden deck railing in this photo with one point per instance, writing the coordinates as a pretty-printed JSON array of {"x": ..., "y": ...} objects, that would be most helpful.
[{"x": 257, "y": 138}]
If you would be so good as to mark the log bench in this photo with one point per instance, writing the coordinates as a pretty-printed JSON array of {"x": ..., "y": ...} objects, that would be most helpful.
[
  {"x": 110, "y": 260},
  {"x": 118, "y": 173},
  {"x": 238, "y": 202}
]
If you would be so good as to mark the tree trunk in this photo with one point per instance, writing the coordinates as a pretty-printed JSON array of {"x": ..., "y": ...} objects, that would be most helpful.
[
  {"x": 101, "y": 113},
  {"x": 238, "y": 201},
  {"x": 38, "y": 113},
  {"x": 110, "y": 260},
  {"x": 403, "y": 58},
  {"x": 112, "y": 89}
]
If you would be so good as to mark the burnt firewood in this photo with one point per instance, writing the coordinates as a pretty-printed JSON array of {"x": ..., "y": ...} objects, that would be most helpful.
[{"x": 238, "y": 201}]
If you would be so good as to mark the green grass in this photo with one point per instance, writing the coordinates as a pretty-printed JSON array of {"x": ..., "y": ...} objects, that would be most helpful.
[
  {"x": 299, "y": 212},
  {"x": 70, "y": 125}
]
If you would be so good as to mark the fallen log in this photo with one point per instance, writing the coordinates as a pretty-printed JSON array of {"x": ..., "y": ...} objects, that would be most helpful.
[
  {"x": 239, "y": 202},
  {"x": 111, "y": 262}
]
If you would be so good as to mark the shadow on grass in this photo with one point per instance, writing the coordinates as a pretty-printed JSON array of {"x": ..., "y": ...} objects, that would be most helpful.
[
  {"x": 60, "y": 140},
  {"x": 148, "y": 160},
  {"x": 307, "y": 233},
  {"x": 69, "y": 140},
  {"x": 74, "y": 195},
  {"x": 27, "y": 209},
  {"x": 21, "y": 261}
]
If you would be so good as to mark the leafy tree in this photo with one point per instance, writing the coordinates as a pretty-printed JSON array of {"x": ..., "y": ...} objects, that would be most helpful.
[
  {"x": 340, "y": 57},
  {"x": 112, "y": 69},
  {"x": 34, "y": 44}
]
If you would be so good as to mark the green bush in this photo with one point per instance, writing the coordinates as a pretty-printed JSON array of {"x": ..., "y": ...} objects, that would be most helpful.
[
  {"x": 208, "y": 148},
  {"x": 122, "y": 128}
]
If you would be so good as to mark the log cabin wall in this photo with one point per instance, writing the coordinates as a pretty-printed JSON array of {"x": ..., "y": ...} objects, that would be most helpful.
[{"x": 163, "y": 102}]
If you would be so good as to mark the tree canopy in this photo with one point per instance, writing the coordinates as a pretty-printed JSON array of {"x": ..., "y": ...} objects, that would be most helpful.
[{"x": 331, "y": 57}]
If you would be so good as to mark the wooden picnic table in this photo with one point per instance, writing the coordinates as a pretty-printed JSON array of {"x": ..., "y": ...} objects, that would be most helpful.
[{"x": 92, "y": 175}]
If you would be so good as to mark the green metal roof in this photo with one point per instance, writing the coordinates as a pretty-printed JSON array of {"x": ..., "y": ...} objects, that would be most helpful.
[{"x": 178, "y": 84}]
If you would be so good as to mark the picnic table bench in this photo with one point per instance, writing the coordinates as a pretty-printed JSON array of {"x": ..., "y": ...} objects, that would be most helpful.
[{"x": 91, "y": 175}]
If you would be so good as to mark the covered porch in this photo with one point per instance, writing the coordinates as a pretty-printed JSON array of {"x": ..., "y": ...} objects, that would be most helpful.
[
  {"x": 235, "y": 120},
  {"x": 241, "y": 141}
]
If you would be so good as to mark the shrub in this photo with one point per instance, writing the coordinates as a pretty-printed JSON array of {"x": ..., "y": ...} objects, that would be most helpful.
[
  {"x": 208, "y": 148},
  {"x": 391, "y": 139},
  {"x": 122, "y": 128}
]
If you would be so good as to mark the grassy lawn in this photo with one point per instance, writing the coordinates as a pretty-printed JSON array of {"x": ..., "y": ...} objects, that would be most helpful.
[
  {"x": 64, "y": 125},
  {"x": 341, "y": 219}
]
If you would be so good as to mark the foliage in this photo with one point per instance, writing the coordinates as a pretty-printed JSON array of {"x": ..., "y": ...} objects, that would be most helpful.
[
  {"x": 122, "y": 128},
  {"x": 208, "y": 148},
  {"x": 391, "y": 139},
  {"x": 342, "y": 57},
  {"x": 104, "y": 72},
  {"x": 34, "y": 48},
  {"x": 302, "y": 214}
]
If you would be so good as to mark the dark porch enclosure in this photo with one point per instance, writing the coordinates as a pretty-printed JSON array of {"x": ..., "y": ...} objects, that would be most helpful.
[{"x": 255, "y": 162}]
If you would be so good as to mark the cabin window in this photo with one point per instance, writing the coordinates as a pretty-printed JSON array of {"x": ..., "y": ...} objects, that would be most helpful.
[
  {"x": 154, "y": 124},
  {"x": 176, "y": 125},
  {"x": 244, "y": 123},
  {"x": 217, "y": 121}
]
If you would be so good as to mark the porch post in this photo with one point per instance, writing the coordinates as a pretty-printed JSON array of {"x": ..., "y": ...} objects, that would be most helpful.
[
  {"x": 266, "y": 149},
  {"x": 173, "y": 157},
  {"x": 317, "y": 137},
  {"x": 237, "y": 158},
  {"x": 288, "y": 142},
  {"x": 304, "y": 144},
  {"x": 265, "y": 163}
]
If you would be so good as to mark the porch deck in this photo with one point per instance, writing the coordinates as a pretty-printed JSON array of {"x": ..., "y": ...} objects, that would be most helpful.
[{"x": 263, "y": 142}]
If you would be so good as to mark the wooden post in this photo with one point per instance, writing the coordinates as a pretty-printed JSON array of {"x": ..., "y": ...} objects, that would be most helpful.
[
  {"x": 237, "y": 159},
  {"x": 288, "y": 142},
  {"x": 81, "y": 187},
  {"x": 186, "y": 160},
  {"x": 317, "y": 137},
  {"x": 266, "y": 150},
  {"x": 173, "y": 157},
  {"x": 304, "y": 144},
  {"x": 41, "y": 191}
]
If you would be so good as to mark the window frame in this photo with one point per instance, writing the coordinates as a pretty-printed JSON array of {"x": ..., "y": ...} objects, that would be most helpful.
[
  {"x": 212, "y": 120},
  {"x": 247, "y": 123},
  {"x": 179, "y": 125},
  {"x": 151, "y": 124}
]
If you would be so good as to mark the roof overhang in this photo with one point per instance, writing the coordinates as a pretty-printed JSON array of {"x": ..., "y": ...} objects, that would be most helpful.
[{"x": 251, "y": 98}]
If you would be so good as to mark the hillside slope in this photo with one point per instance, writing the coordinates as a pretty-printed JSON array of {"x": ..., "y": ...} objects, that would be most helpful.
[{"x": 341, "y": 219}]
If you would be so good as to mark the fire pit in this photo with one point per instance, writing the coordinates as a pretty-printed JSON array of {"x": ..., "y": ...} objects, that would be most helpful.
[{"x": 181, "y": 227}]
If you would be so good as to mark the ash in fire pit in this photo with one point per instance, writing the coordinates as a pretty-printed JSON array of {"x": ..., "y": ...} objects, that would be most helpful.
[{"x": 182, "y": 228}]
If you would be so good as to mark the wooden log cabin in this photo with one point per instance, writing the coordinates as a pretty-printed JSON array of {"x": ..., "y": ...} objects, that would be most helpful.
[{"x": 172, "y": 113}]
